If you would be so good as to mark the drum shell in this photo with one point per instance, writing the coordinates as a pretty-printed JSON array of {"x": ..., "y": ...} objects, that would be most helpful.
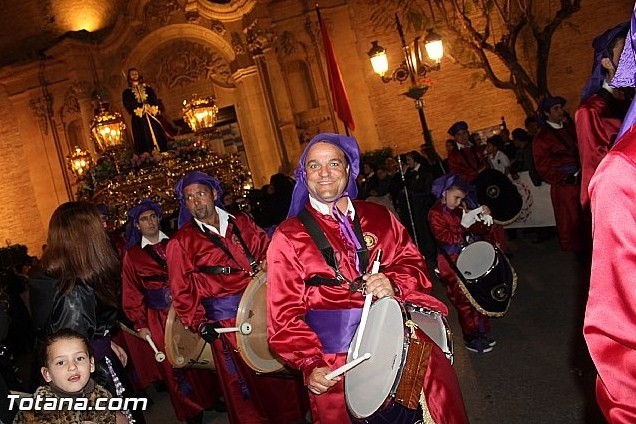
[
  {"x": 491, "y": 291},
  {"x": 252, "y": 309},
  {"x": 185, "y": 349},
  {"x": 496, "y": 191}
]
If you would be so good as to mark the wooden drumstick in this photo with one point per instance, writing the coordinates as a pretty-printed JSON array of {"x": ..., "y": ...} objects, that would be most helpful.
[
  {"x": 367, "y": 305},
  {"x": 159, "y": 356},
  {"x": 244, "y": 329},
  {"x": 346, "y": 367}
]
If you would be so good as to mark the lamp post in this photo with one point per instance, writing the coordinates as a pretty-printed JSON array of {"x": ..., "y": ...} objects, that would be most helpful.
[{"x": 414, "y": 69}]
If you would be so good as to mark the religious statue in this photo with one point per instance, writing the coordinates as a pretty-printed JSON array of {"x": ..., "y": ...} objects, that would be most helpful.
[{"x": 149, "y": 132}]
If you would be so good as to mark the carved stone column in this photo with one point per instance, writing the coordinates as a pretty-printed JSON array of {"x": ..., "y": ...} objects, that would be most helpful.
[{"x": 259, "y": 43}]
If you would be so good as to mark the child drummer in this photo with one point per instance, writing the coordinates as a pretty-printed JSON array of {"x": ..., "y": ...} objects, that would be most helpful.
[{"x": 452, "y": 225}]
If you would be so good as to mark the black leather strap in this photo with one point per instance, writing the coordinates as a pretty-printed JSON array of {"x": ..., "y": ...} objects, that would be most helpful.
[
  {"x": 219, "y": 243},
  {"x": 327, "y": 251},
  {"x": 154, "y": 255},
  {"x": 213, "y": 270}
]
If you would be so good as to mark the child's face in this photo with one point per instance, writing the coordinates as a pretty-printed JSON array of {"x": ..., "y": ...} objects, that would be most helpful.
[
  {"x": 68, "y": 366},
  {"x": 453, "y": 198},
  {"x": 491, "y": 148}
]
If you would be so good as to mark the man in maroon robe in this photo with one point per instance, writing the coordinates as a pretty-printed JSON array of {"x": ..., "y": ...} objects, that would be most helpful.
[
  {"x": 309, "y": 299},
  {"x": 600, "y": 115},
  {"x": 556, "y": 158},
  {"x": 146, "y": 301},
  {"x": 466, "y": 160},
  {"x": 211, "y": 260}
]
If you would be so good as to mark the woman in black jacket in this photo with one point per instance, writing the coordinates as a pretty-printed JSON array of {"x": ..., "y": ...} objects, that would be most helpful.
[{"x": 78, "y": 288}]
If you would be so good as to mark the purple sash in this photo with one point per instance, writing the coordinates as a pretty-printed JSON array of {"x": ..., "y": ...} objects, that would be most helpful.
[
  {"x": 158, "y": 299},
  {"x": 218, "y": 308},
  {"x": 334, "y": 327},
  {"x": 451, "y": 249},
  {"x": 101, "y": 346}
]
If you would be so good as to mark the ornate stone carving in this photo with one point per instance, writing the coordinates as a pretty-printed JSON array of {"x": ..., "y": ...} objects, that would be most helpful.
[
  {"x": 40, "y": 108},
  {"x": 258, "y": 39},
  {"x": 287, "y": 43},
  {"x": 217, "y": 26},
  {"x": 161, "y": 10},
  {"x": 71, "y": 104},
  {"x": 237, "y": 44},
  {"x": 182, "y": 62}
]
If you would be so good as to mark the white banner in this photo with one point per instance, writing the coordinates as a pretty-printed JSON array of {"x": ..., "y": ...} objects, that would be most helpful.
[{"x": 537, "y": 208}]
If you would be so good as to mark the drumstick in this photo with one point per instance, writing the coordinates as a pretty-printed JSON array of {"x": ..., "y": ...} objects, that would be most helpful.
[
  {"x": 159, "y": 356},
  {"x": 227, "y": 330},
  {"x": 346, "y": 367},
  {"x": 367, "y": 305}
]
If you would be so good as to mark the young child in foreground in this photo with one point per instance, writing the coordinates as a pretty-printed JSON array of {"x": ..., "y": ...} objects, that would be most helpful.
[{"x": 68, "y": 366}]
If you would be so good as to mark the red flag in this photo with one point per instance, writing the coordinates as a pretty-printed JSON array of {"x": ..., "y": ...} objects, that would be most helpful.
[{"x": 338, "y": 92}]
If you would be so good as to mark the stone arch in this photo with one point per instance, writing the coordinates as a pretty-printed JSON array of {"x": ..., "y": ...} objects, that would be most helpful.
[{"x": 147, "y": 45}]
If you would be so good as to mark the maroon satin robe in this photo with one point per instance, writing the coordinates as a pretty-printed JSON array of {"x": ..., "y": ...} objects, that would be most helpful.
[
  {"x": 467, "y": 162},
  {"x": 191, "y": 391},
  {"x": 597, "y": 124},
  {"x": 293, "y": 258},
  {"x": 551, "y": 156},
  {"x": 270, "y": 399},
  {"x": 447, "y": 229},
  {"x": 610, "y": 317}
]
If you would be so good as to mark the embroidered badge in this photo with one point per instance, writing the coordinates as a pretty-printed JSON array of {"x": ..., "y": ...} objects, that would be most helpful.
[{"x": 370, "y": 240}]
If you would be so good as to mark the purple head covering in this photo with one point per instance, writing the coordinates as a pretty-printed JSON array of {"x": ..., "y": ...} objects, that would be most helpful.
[
  {"x": 626, "y": 74},
  {"x": 601, "y": 46},
  {"x": 457, "y": 127},
  {"x": 442, "y": 184},
  {"x": 133, "y": 235},
  {"x": 195, "y": 177},
  {"x": 349, "y": 146}
]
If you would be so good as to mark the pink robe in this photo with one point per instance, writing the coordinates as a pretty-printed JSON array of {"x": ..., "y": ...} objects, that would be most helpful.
[
  {"x": 269, "y": 399},
  {"x": 191, "y": 390},
  {"x": 293, "y": 258},
  {"x": 610, "y": 317}
]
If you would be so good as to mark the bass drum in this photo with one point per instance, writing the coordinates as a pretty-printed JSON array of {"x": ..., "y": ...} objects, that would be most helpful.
[
  {"x": 496, "y": 191},
  {"x": 251, "y": 318},
  {"x": 185, "y": 349}
]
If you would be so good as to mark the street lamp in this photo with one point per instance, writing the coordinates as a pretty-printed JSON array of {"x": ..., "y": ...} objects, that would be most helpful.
[{"x": 414, "y": 68}]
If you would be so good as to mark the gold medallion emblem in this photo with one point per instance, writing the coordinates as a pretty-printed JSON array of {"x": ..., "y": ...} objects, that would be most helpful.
[{"x": 370, "y": 240}]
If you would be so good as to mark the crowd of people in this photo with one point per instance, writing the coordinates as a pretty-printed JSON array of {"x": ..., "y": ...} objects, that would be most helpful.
[{"x": 316, "y": 236}]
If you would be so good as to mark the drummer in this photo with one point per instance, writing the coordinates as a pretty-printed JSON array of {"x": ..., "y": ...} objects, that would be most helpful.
[
  {"x": 311, "y": 297},
  {"x": 146, "y": 301},
  {"x": 466, "y": 160},
  {"x": 451, "y": 223},
  {"x": 211, "y": 260}
]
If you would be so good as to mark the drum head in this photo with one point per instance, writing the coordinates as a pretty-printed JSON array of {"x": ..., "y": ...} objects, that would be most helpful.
[
  {"x": 252, "y": 310},
  {"x": 369, "y": 384},
  {"x": 435, "y": 326},
  {"x": 183, "y": 347},
  {"x": 476, "y": 259}
]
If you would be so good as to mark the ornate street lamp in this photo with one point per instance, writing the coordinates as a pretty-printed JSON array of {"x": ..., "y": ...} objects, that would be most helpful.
[
  {"x": 414, "y": 68},
  {"x": 200, "y": 113},
  {"x": 107, "y": 128},
  {"x": 80, "y": 162}
]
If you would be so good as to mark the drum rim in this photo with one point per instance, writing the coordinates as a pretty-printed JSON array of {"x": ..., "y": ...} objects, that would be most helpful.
[
  {"x": 260, "y": 365},
  {"x": 496, "y": 250},
  {"x": 449, "y": 352}
]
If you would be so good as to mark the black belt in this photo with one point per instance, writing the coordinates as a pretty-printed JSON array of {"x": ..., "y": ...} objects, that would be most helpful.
[
  {"x": 213, "y": 270},
  {"x": 163, "y": 278}
]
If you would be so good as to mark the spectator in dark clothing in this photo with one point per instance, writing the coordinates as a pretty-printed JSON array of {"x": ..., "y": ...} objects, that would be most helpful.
[
  {"x": 368, "y": 182},
  {"x": 278, "y": 198},
  {"x": 418, "y": 183}
]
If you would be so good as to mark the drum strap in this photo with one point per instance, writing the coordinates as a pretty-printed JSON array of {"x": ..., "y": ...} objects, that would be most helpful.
[
  {"x": 219, "y": 243},
  {"x": 154, "y": 255},
  {"x": 327, "y": 251}
]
